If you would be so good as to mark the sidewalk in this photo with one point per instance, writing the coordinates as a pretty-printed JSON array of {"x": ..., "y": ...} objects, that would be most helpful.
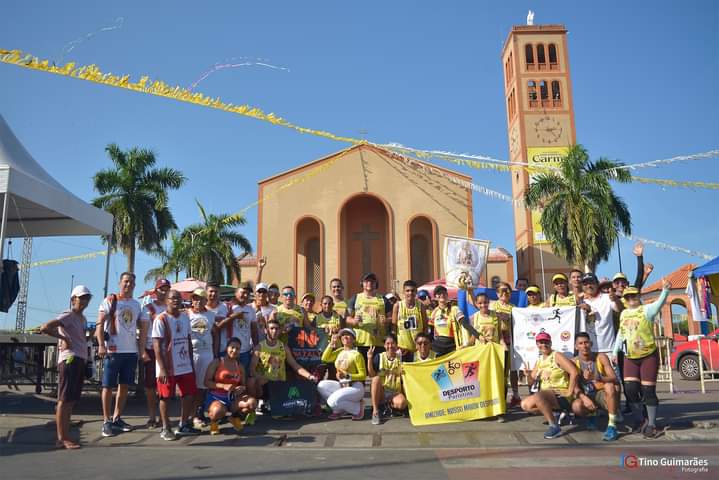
[{"x": 26, "y": 421}]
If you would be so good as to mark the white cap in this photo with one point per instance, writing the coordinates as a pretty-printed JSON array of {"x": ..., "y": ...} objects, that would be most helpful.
[
  {"x": 261, "y": 286},
  {"x": 80, "y": 291}
]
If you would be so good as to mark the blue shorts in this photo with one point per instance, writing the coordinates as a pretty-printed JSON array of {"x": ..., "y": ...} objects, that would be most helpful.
[
  {"x": 245, "y": 359},
  {"x": 119, "y": 368},
  {"x": 225, "y": 399}
]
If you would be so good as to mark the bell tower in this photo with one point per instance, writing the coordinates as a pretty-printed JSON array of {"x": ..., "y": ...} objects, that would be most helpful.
[{"x": 540, "y": 124}]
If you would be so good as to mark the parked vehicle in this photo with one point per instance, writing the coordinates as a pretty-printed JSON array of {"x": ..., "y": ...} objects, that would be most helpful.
[{"x": 685, "y": 356}]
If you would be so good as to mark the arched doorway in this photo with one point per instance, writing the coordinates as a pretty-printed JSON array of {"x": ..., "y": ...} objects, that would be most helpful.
[
  {"x": 364, "y": 241},
  {"x": 308, "y": 257},
  {"x": 421, "y": 250}
]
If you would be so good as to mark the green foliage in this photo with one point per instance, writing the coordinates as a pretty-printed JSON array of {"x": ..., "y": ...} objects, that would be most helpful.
[{"x": 581, "y": 214}]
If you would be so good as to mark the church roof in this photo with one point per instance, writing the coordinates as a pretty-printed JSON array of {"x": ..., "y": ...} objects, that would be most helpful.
[
  {"x": 374, "y": 148},
  {"x": 678, "y": 279},
  {"x": 499, "y": 254}
]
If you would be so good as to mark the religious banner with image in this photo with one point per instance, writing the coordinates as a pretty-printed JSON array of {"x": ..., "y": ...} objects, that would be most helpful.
[
  {"x": 559, "y": 322},
  {"x": 459, "y": 387},
  {"x": 464, "y": 260}
]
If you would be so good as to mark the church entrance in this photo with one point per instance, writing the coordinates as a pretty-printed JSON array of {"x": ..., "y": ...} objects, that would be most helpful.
[{"x": 364, "y": 241}]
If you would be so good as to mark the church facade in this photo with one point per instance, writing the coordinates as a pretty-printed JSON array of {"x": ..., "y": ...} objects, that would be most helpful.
[{"x": 359, "y": 210}]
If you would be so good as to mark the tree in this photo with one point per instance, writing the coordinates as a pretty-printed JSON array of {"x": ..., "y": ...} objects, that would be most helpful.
[
  {"x": 581, "y": 214},
  {"x": 173, "y": 260},
  {"x": 205, "y": 250},
  {"x": 136, "y": 194}
]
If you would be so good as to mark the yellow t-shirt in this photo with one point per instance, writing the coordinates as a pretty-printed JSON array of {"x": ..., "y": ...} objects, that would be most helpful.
[
  {"x": 638, "y": 331},
  {"x": 487, "y": 326},
  {"x": 271, "y": 364},
  {"x": 432, "y": 355},
  {"x": 552, "y": 376},
  {"x": 340, "y": 306},
  {"x": 371, "y": 311},
  {"x": 410, "y": 321},
  {"x": 444, "y": 321},
  {"x": 391, "y": 372},
  {"x": 503, "y": 311},
  {"x": 555, "y": 300},
  {"x": 333, "y": 322},
  {"x": 286, "y": 316},
  {"x": 349, "y": 361}
]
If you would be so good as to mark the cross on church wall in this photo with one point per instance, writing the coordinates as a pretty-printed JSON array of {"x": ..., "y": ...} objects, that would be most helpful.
[{"x": 366, "y": 236}]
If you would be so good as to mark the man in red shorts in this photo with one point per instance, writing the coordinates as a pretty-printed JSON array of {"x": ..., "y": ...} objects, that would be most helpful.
[
  {"x": 175, "y": 370},
  {"x": 150, "y": 310},
  {"x": 69, "y": 328}
]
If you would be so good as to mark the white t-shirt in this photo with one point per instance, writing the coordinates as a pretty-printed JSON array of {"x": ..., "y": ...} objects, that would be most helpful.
[
  {"x": 602, "y": 329},
  {"x": 127, "y": 314},
  {"x": 266, "y": 311},
  {"x": 148, "y": 317},
  {"x": 201, "y": 331},
  {"x": 179, "y": 334},
  {"x": 241, "y": 328}
]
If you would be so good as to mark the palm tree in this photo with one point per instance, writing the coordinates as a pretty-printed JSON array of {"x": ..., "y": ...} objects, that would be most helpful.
[
  {"x": 137, "y": 196},
  {"x": 173, "y": 260},
  {"x": 581, "y": 214},
  {"x": 206, "y": 249}
]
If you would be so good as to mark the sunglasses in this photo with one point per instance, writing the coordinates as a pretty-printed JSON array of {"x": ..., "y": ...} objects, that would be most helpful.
[
  {"x": 288, "y": 294},
  {"x": 503, "y": 290}
]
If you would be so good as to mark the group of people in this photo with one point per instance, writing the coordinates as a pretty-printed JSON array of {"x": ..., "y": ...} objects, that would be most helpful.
[{"x": 221, "y": 357}]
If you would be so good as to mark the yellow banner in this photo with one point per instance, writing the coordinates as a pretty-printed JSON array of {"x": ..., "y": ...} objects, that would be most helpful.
[
  {"x": 538, "y": 159},
  {"x": 462, "y": 386}
]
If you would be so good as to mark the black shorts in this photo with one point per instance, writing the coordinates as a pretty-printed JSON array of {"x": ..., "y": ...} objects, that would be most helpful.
[
  {"x": 443, "y": 345},
  {"x": 71, "y": 377}
]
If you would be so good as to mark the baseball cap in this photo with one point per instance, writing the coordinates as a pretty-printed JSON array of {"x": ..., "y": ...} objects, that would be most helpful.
[
  {"x": 619, "y": 276},
  {"x": 589, "y": 278},
  {"x": 630, "y": 291},
  {"x": 543, "y": 336},
  {"x": 162, "y": 282},
  {"x": 347, "y": 331},
  {"x": 80, "y": 291},
  {"x": 308, "y": 295},
  {"x": 559, "y": 276},
  {"x": 199, "y": 292},
  {"x": 369, "y": 276},
  {"x": 261, "y": 286},
  {"x": 423, "y": 295},
  {"x": 532, "y": 289}
]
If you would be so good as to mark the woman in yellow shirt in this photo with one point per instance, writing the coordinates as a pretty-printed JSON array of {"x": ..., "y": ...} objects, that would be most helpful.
[
  {"x": 387, "y": 382},
  {"x": 344, "y": 395}
]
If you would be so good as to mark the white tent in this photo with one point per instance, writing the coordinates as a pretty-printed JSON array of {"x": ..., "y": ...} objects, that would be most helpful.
[{"x": 34, "y": 204}]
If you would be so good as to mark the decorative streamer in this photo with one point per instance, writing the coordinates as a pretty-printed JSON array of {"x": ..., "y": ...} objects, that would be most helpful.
[
  {"x": 70, "y": 46},
  {"x": 57, "y": 261},
  {"x": 679, "y": 158},
  {"x": 228, "y": 64},
  {"x": 676, "y": 183},
  {"x": 666, "y": 246}
]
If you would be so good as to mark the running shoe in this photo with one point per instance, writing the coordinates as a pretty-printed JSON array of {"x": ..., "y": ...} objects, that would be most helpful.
[
  {"x": 250, "y": 418},
  {"x": 121, "y": 425},
  {"x": 334, "y": 416},
  {"x": 167, "y": 434},
  {"x": 107, "y": 430},
  {"x": 214, "y": 428},
  {"x": 592, "y": 423},
  {"x": 186, "y": 430},
  {"x": 610, "y": 434},
  {"x": 650, "y": 431},
  {"x": 152, "y": 424},
  {"x": 376, "y": 420},
  {"x": 553, "y": 432}
]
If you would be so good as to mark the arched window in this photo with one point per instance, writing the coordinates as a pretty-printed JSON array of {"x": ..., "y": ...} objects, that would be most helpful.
[
  {"x": 529, "y": 55},
  {"x": 680, "y": 319},
  {"x": 556, "y": 94},
  {"x": 532, "y": 93},
  {"x": 422, "y": 252},
  {"x": 543, "y": 91},
  {"x": 313, "y": 275},
  {"x": 552, "y": 54},
  {"x": 541, "y": 59},
  {"x": 308, "y": 256}
]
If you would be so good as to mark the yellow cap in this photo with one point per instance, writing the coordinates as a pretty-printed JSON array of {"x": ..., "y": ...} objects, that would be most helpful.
[
  {"x": 307, "y": 295},
  {"x": 630, "y": 291},
  {"x": 619, "y": 276},
  {"x": 559, "y": 276},
  {"x": 532, "y": 289},
  {"x": 199, "y": 292}
]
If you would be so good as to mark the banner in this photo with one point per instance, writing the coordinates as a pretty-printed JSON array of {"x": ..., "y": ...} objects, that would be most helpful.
[
  {"x": 559, "y": 322},
  {"x": 462, "y": 386},
  {"x": 464, "y": 260},
  {"x": 539, "y": 158},
  {"x": 292, "y": 398}
]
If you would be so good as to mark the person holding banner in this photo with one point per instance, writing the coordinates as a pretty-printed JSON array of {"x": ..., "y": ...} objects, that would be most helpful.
[
  {"x": 408, "y": 319},
  {"x": 534, "y": 297},
  {"x": 575, "y": 282},
  {"x": 486, "y": 323},
  {"x": 344, "y": 395},
  {"x": 596, "y": 387},
  {"x": 641, "y": 361},
  {"x": 226, "y": 380},
  {"x": 553, "y": 380},
  {"x": 600, "y": 315},
  {"x": 366, "y": 314},
  {"x": 423, "y": 352},
  {"x": 502, "y": 308},
  {"x": 387, "y": 382},
  {"x": 561, "y": 296},
  {"x": 446, "y": 324}
]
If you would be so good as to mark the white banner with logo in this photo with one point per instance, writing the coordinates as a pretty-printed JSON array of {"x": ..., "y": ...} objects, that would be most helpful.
[{"x": 559, "y": 322}]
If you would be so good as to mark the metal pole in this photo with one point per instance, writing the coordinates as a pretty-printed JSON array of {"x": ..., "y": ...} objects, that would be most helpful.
[
  {"x": 619, "y": 251},
  {"x": 107, "y": 265},
  {"x": 701, "y": 363},
  {"x": 541, "y": 261},
  {"x": 3, "y": 227}
]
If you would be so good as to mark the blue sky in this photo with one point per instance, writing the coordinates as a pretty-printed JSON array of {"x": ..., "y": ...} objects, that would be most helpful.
[{"x": 426, "y": 74}]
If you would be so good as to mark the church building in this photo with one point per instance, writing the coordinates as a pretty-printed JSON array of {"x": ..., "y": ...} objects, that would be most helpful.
[{"x": 359, "y": 210}]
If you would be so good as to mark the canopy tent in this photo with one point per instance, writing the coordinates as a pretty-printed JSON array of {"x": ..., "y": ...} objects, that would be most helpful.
[
  {"x": 36, "y": 205},
  {"x": 709, "y": 268}
]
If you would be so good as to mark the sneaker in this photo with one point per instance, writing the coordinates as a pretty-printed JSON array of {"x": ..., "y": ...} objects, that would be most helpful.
[
  {"x": 186, "y": 430},
  {"x": 649, "y": 431},
  {"x": 237, "y": 423},
  {"x": 592, "y": 423},
  {"x": 121, "y": 425},
  {"x": 376, "y": 420},
  {"x": 610, "y": 434},
  {"x": 250, "y": 418},
  {"x": 515, "y": 401},
  {"x": 561, "y": 419},
  {"x": 500, "y": 419},
  {"x": 214, "y": 428},
  {"x": 167, "y": 434},
  {"x": 107, "y": 430},
  {"x": 198, "y": 423},
  {"x": 334, "y": 416},
  {"x": 152, "y": 424},
  {"x": 553, "y": 432}
]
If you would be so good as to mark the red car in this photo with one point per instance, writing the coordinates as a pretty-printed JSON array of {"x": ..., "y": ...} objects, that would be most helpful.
[{"x": 685, "y": 356}]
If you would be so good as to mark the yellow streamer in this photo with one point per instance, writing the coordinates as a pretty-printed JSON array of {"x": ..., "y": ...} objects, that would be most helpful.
[{"x": 57, "y": 261}]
